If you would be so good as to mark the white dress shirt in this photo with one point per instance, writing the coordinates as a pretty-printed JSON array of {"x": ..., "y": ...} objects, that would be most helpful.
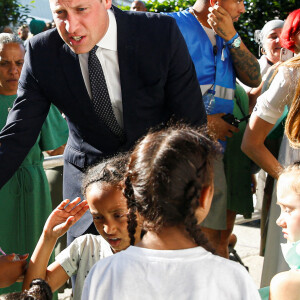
[{"x": 108, "y": 55}]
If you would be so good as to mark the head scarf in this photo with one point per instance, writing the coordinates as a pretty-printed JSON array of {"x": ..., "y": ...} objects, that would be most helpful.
[
  {"x": 36, "y": 26},
  {"x": 260, "y": 35}
]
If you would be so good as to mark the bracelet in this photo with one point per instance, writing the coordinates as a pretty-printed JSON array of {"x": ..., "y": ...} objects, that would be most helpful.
[{"x": 232, "y": 40}]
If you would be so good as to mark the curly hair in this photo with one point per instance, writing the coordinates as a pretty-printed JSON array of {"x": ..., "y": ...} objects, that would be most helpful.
[
  {"x": 39, "y": 290},
  {"x": 110, "y": 171},
  {"x": 166, "y": 173}
]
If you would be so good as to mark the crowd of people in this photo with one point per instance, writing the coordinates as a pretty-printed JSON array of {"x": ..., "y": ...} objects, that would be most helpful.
[{"x": 159, "y": 155}]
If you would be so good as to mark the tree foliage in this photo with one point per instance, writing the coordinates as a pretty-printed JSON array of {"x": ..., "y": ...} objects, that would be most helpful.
[
  {"x": 258, "y": 12},
  {"x": 12, "y": 12}
]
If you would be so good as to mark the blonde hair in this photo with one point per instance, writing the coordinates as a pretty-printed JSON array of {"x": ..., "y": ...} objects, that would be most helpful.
[{"x": 294, "y": 172}]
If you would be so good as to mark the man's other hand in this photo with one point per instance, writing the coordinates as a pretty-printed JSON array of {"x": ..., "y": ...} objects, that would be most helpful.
[{"x": 220, "y": 128}]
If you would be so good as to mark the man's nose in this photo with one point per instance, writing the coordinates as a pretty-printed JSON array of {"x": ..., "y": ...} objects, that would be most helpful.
[
  {"x": 71, "y": 24},
  {"x": 242, "y": 7}
]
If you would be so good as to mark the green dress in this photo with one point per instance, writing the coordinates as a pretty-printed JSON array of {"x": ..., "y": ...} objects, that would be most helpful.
[
  {"x": 25, "y": 201},
  {"x": 237, "y": 164}
]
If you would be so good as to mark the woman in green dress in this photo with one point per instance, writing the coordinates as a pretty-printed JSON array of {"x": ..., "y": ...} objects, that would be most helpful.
[{"x": 25, "y": 201}]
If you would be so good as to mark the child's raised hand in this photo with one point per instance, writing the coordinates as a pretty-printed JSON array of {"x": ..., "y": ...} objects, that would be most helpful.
[
  {"x": 11, "y": 269},
  {"x": 65, "y": 215}
]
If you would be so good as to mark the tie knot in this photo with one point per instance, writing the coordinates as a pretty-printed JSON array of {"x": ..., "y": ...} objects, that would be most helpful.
[{"x": 93, "y": 51}]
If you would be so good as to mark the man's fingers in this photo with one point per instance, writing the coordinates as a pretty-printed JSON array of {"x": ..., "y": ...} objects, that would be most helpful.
[
  {"x": 217, "y": 10},
  {"x": 234, "y": 129},
  {"x": 229, "y": 134}
]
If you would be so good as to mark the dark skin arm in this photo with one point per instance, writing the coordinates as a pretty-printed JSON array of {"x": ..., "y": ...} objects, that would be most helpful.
[
  {"x": 57, "y": 151},
  {"x": 245, "y": 63},
  {"x": 219, "y": 128}
]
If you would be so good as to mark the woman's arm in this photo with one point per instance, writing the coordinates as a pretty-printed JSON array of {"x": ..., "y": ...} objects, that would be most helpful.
[
  {"x": 60, "y": 220},
  {"x": 253, "y": 145}
]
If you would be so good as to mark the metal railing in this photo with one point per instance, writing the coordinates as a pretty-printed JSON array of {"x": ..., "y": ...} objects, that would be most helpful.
[{"x": 53, "y": 161}]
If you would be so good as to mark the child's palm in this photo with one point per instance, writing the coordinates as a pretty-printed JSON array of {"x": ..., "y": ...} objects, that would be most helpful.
[{"x": 64, "y": 216}]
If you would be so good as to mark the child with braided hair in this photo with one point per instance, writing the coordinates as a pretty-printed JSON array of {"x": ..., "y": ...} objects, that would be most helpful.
[
  {"x": 169, "y": 183},
  {"x": 102, "y": 187}
]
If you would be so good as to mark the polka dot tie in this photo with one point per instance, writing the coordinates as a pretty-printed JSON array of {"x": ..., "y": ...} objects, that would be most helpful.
[{"x": 100, "y": 97}]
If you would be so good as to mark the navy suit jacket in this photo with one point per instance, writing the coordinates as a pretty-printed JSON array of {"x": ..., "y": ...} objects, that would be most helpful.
[{"x": 158, "y": 81}]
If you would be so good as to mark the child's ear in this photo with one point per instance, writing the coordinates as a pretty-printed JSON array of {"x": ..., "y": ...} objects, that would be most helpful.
[
  {"x": 206, "y": 197},
  {"x": 204, "y": 202}
]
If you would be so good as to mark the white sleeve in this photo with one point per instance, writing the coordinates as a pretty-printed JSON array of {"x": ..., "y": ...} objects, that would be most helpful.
[
  {"x": 69, "y": 257},
  {"x": 271, "y": 103}
]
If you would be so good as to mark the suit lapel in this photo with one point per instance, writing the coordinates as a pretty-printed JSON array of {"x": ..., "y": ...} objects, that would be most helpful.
[
  {"x": 72, "y": 71},
  {"x": 75, "y": 83},
  {"x": 127, "y": 51}
]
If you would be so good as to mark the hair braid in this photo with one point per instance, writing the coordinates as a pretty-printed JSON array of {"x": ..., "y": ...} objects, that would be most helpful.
[
  {"x": 131, "y": 203},
  {"x": 192, "y": 197}
]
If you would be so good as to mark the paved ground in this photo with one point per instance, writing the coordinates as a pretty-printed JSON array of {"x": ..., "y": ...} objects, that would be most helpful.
[{"x": 247, "y": 247}]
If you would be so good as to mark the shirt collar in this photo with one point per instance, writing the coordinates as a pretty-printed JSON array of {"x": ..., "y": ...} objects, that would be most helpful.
[{"x": 109, "y": 41}]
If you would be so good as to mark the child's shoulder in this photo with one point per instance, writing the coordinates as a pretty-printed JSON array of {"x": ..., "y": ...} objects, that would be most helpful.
[
  {"x": 286, "y": 285},
  {"x": 91, "y": 241}
]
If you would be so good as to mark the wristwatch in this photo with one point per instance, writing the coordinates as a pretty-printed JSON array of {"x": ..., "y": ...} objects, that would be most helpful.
[{"x": 235, "y": 42}]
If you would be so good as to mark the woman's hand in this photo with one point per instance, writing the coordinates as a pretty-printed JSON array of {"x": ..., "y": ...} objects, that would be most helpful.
[{"x": 11, "y": 269}]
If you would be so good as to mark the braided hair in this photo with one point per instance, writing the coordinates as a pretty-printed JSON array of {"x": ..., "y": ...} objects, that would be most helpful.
[
  {"x": 110, "y": 171},
  {"x": 39, "y": 290},
  {"x": 166, "y": 173}
]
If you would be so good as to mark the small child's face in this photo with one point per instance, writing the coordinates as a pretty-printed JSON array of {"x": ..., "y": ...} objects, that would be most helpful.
[
  {"x": 289, "y": 202},
  {"x": 108, "y": 207}
]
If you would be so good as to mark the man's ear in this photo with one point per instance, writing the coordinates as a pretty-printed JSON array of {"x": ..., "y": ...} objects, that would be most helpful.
[
  {"x": 213, "y": 2},
  {"x": 107, "y": 3}
]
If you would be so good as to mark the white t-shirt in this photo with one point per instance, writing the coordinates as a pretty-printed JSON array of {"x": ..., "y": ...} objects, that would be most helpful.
[
  {"x": 80, "y": 257},
  {"x": 270, "y": 104},
  {"x": 139, "y": 273}
]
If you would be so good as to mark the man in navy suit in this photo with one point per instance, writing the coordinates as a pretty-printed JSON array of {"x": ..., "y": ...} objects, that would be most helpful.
[{"x": 149, "y": 75}]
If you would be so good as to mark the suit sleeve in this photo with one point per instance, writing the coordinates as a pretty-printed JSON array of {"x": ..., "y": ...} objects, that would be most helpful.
[
  {"x": 182, "y": 87},
  {"x": 24, "y": 121}
]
